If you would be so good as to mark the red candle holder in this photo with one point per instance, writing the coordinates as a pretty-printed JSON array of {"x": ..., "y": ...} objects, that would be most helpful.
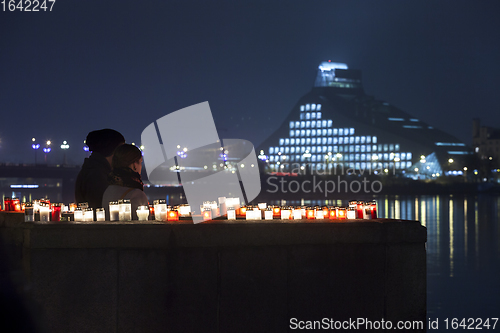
[
  {"x": 207, "y": 215},
  {"x": 276, "y": 212},
  {"x": 373, "y": 209},
  {"x": 333, "y": 213},
  {"x": 360, "y": 209},
  {"x": 6, "y": 204},
  {"x": 342, "y": 213},
  {"x": 173, "y": 215},
  {"x": 310, "y": 214},
  {"x": 151, "y": 212},
  {"x": 16, "y": 205},
  {"x": 326, "y": 212},
  {"x": 56, "y": 212}
]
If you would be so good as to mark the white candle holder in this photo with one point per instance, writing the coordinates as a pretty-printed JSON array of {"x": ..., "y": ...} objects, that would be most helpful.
[{"x": 100, "y": 214}]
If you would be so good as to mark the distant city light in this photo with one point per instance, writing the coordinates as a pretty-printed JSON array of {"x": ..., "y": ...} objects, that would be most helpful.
[
  {"x": 450, "y": 160},
  {"x": 86, "y": 148},
  {"x": 23, "y": 186},
  {"x": 65, "y": 145},
  {"x": 35, "y": 146},
  {"x": 46, "y": 150}
]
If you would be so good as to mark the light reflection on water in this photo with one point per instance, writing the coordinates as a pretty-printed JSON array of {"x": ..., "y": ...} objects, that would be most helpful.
[{"x": 463, "y": 249}]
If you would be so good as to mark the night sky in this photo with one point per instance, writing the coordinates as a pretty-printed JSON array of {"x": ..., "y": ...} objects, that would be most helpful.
[{"x": 122, "y": 64}]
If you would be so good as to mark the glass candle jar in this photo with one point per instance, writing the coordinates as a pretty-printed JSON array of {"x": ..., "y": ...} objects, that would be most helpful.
[
  {"x": 184, "y": 210},
  {"x": 44, "y": 212},
  {"x": 29, "y": 213},
  {"x": 159, "y": 206},
  {"x": 351, "y": 213},
  {"x": 7, "y": 204},
  {"x": 56, "y": 212},
  {"x": 125, "y": 210},
  {"x": 114, "y": 211},
  {"x": 268, "y": 213},
  {"x": 297, "y": 213},
  {"x": 341, "y": 213},
  {"x": 285, "y": 213},
  {"x": 16, "y": 205},
  {"x": 249, "y": 213},
  {"x": 151, "y": 212},
  {"x": 142, "y": 213},
  {"x": 276, "y": 212},
  {"x": 319, "y": 213},
  {"x": 88, "y": 215},
  {"x": 207, "y": 214},
  {"x": 100, "y": 214},
  {"x": 360, "y": 209},
  {"x": 333, "y": 213},
  {"x": 231, "y": 213},
  {"x": 310, "y": 213},
  {"x": 373, "y": 209},
  {"x": 173, "y": 215},
  {"x": 72, "y": 207},
  {"x": 78, "y": 214}
]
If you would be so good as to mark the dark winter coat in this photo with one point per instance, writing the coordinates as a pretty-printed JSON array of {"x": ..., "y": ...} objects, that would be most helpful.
[{"x": 92, "y": 180}]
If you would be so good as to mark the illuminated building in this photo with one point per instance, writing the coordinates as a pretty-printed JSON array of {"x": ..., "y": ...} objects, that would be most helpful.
[
  {"x": 486, "y": 141},
  {"x": 337, "y": 125}
]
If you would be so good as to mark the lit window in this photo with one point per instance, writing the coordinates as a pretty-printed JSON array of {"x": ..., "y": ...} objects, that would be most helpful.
[
  {"x": 271, "y": 150},
  {"x": 276, "y": 150},
  {"x": 346, "y": 131},
  {"x": 281, "y": 150},
  {"x": 386, "y": 147},
  {"x": 323, "y": 123},
  {"x": 396, "y": 147},
  {"x": 335, "y": 131},
  {"x": 308, "y": 107},
  {"x": 351, "y": 149},
  {"x": 324, "y": 131},
  {"x": 408, "y": 156},
  {"x": 335, "y": 149},
  {"x": 308, "y": 132},
  {"x": 318, "y": 124},
  {"x": 351, "y": 131},
  {"x": 318, "y": 107},
  {"x": 363, "y": 148},
  {"x": 403, "y": 156},
  {"x": 318, "y": 132},
  {"x": 302, "y": 141},
  {"x": 396, "y": 156},
  {"x": 396, "y": 119},
  {"x": 313, "y": 107},
  {"x": 302, "y": 132},
  {"x": 302, "y": 149},
  {"x": 341, "y": 149},
  {"x": 292, "y": 141},
  {"x": 324, "y": 140},
  {"x": 292, "y": 150},
  {"x": 386, "y": 157},
  {"x": 297, "y": 132},
  {"x": 292, "y": 133},
  {"x": 301, "y": 116},
  {"x": 302, "y": 124},
  {"x": 363, "y": 166},
  {"x": 292, "y": 123},
  {"x": 380, "y": 156},
  {"x": 313, "y": 132},
  {"x": 374, "y": 139},
  {"x": 368, "y": 148},
  {"x": 391, "y": 156},
  {"x": 313, "y": 115},
  {"x": 358, "y": 166},
  {"x": 397, "y": 165},
  {"x": 313, "y": 150},
  {"x": 335, "y": 141},
  {"x": 302, "y": 108},
  {"x": 287, "y": 142},
  {"x": 341, "y": 131},
  {"x": 308, "y": 124},
  {"x": 313, "y": 141},
  {"x": 363, "y": 157},
  {"x": 356, "y": 139},
  {"x": 374, "y": 148},
  {"x": 313, "y": 124},
  {"x": 308, "y": 141},
  {"x": 330, "y": 123},
  {"x": 341, "y": 140},
  {"x": 408, "y": 164},
  {"x": 318, "y": 115},
  {"x": 329, "y": 132},
  {"x": 368, "y": 139},
  {"x": 282, "y": 141},
  {"x": 363, "y": 139},
  {"x": 351, "y": 157},
  {"x": 391, "y": 147},
  {"x": 313, "y": 158},
  {"x": 287, "y": 150},
  {"x": 357, "y": 148},
  {"x": 356, "y": 157},
  {"x": 351, "y": 139},
  {"x": 308, "y": 115},
  {"x": 271, "y": 158}
]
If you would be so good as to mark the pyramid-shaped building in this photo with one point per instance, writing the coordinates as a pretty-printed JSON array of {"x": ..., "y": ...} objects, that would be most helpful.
[{"x": 337, "y": 125}]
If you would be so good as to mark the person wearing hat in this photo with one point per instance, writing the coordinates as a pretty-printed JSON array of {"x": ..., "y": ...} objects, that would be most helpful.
[
  {"x": 92, "y": 180},
  {"x": 125, "y": 180}
]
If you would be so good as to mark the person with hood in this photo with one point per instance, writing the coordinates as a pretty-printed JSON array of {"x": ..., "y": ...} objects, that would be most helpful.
[{"x": 92, "y": 180}]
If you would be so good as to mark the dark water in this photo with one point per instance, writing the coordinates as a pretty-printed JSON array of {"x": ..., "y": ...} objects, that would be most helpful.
[{"x": 463, "y": 252}]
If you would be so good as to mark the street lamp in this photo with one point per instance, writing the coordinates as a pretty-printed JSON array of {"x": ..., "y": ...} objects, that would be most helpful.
[
  {"x": 35, "y": 146},
  {"x": 64, "y": 147}
]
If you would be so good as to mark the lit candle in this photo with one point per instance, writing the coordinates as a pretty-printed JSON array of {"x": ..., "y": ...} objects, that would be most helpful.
[
  {"x": 142, "y": 213},
  {"x": 319, "y": 213},
  {"x": 72, "y": 207},
  {"x": 100, "y": 214},
  {"x": 285, "y": 213},
  {"x": 325, "y": 212},
  {"x": 162, "y": 214},
  {"x": 125, "y": 210},
  {"x": 173, "y": 215},
  {"x": 114, "y": 211},
  {"x": 56, "y": 212},
  {"x": 310, "y": 213},
  {"x": 159, "y": 205},
  {"x": 341, "y": 213},
  {"x": 360, "y": 209},
  {"x": 7, "y": 204},
  {"x": 373, "y": 209},
  {"x": 303, "y": 209},
  {"x": 297, "y": 213},
  {"x": 151, "y": 212},
  {"x": 184, "y": 210},
  {"x": 44, "y": 212},
  {"x": 82, "y": 205},
  {"x": 88, "y": 215},
  {"x": 78, "y": 215},
  {"x": 353, "y": 204},
  {"x": 29, "y": 213},
  {"x": 207, "y": 214},
  {"x": 268, "y": 213},
  {"x": 333, "y": 213},
  {"x": 276, "y": 212},
  {"x": 366, "y": 211},
  {"x": 222, "y": 205},
  {"x": 351, "y": 213},
  {"x": 16, "y": 205},
  {"x": 243, "y": 211},
  {"x": 262, "y": 205},
  {"x": 231, "y": 213}
]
